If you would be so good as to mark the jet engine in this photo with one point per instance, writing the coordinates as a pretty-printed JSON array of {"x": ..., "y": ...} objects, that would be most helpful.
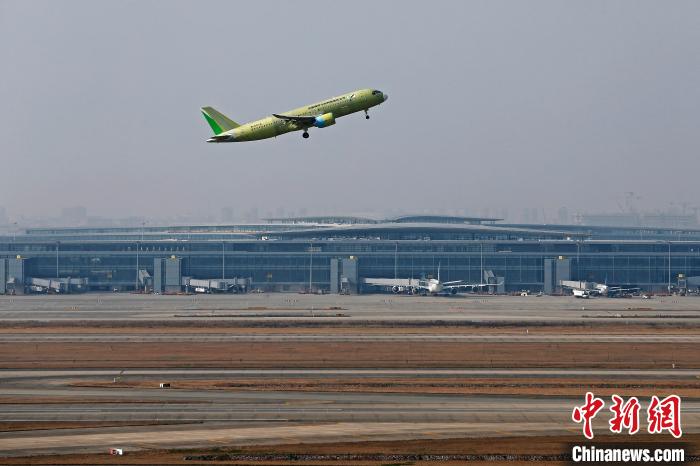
[
  {"x": 453, "y": 291},
  {"x": 397, "y": 289},
  {"x": 327, "y": 119}
]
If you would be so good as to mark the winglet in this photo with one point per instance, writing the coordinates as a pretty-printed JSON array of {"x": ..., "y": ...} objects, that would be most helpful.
[{"x": 219, "y": 122}]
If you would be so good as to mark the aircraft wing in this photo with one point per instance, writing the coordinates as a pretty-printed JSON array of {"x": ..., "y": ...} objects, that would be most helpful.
[
  {"x": 390, "y": 281},
  {"x": 620, "y": 289},
  {"x": 575, "y": 285},
  {"x": 403, "y": 284},
  {"x": 301, "y": 120},
  {"x": 469, "y": 285}
]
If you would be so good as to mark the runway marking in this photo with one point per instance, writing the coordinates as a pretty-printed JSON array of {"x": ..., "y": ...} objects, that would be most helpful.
[{"x": 320, "y": 338}]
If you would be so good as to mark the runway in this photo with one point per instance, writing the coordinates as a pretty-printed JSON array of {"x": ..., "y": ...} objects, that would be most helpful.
[
  {"x": 337, "y": 310},
  {"x": 270, "y": 369},
  {"x": 34, "y": 378},
  {"x": 88, "y": 440},
  {"x": 330, "y": 338},
  {"x": 217, "y": 405},
  {"x": 240, "y": 418}
]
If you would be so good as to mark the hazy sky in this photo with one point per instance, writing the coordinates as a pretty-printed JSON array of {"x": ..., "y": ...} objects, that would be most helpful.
[{"x": 492, "y": 104}]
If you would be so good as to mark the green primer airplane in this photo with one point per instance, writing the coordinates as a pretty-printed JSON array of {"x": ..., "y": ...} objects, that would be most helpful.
[{"x": 319, "y": 115}]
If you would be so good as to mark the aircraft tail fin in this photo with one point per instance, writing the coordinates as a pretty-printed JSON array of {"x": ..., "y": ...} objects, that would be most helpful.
[{"x": 218, "y": 121}]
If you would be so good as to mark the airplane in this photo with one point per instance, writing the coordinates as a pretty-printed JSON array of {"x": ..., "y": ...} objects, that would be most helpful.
[
  {"x": 425, "y": 286},
  {"x": 612, "y": 291},
  {"x": 585, "y": 290},
  {"x": 319, "y": 115}
]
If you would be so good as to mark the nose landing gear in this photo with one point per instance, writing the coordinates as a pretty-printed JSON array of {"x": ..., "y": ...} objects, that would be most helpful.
[
  {"x": 366, "y": 115},
  {"x": 305, "y": 135}
]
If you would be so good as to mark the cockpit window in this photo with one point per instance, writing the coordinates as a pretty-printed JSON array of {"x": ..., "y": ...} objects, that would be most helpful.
[{"x": 375, "y": 92}]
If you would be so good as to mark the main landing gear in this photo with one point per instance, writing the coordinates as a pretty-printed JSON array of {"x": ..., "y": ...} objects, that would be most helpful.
[
  {"x": 305, "y": 135},
  {"x": 366, "y": 115}
]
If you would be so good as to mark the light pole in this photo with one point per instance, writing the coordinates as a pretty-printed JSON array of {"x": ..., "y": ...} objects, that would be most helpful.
[
  {"x": 137, "y": 284},
  {"x": 578, "y": 261},
  {"x": 223, "y": 260},
  {"x": 58, "y": 243},
  {"x": 138, "y": 246},
  {"x": 312, "y": 249},
  {"x": 669, "y": 267},
  {"x": 396, "y": 260},
  {"x": 311, "y": 266},
  {"x": 481, "y": 280}
]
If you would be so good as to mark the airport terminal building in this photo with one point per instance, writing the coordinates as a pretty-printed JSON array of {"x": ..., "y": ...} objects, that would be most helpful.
[{"x": 336, "y": 255}]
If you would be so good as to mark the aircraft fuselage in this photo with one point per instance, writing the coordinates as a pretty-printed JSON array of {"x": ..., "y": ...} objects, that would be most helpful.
[{"x": 325, "y": 113}]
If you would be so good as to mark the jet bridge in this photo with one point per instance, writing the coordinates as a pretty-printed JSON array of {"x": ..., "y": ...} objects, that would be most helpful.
[{"x": 56, "y": 285}]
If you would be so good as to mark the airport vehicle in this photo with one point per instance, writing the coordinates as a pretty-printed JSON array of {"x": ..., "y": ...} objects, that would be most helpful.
[{"x": 319, "y": 115}]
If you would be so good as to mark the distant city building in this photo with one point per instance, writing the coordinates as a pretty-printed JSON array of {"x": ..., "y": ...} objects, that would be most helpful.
[
  {"x": 525, "y": 216},
  {"x": 534, "y": 216},
  {"x": 504, "y": 214},
  {"x": 74, "y": 215},
  {"x": 669, "y": 220},
  {"x": 563, "y": 216},
  {"x": 635, "y": 219},
  {"x": 252, "y": 215},
  {"x": 227, "y": 214}
]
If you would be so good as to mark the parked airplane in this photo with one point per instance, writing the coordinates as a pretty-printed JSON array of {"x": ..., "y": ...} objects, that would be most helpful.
[
  {"x": 613, "y": 291},
  {"x": 585, "y": 290},
  {"x": 425, "y": 286},
  {"x": 319, "y": 115}
]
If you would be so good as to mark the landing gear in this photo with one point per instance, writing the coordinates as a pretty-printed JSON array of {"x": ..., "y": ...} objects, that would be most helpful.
[
  {"x": 305, "y": 135},
  {"x": 366, "y": 115}
]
